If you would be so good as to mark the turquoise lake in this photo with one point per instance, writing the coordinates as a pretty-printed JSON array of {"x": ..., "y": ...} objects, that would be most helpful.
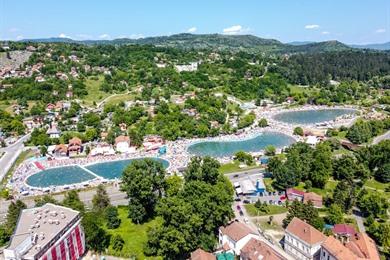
[
  {"x": 59, "y": 176},
  {"x": 114, "y": 169},
  {"x": 229, "y": 148},
  {"x": 312, "y": 116},
  {"x": 68, "y": 175}
]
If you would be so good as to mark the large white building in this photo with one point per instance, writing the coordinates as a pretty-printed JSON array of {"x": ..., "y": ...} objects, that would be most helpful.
[
  {"x": 303, "y": 241},
  {"x": 48, "y": 232}
]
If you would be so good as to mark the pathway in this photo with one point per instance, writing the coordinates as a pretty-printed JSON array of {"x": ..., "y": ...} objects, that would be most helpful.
[
  {"x": 359, "y": 219},
  {"x": 385, "y": 136},
  {"x": 11, "y": 152}
]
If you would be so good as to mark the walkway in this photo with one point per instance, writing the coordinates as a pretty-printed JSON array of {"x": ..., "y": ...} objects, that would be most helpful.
[{"x": 378, "y": 139}]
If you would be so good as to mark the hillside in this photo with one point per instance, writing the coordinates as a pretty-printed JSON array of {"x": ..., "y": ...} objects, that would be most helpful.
[
  {"x": 249, "y": 43},
  {"x": 374, "y": 46}
]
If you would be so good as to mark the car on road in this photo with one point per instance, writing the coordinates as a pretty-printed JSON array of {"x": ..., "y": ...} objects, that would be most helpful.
[
  {"x": 246, "y": 201},
  {"x": 235, "y": 175},
  {"x": 238, "y": 207},
  {"x": 246, "y": 220}
]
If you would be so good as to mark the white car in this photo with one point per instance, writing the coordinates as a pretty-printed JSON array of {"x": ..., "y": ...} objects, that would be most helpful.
[{"x": 246, "y": 220}]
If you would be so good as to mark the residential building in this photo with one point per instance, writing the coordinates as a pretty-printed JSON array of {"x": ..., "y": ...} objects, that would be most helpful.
[
  {"x": 122, "y": 143},
  {"x": 343, "y": 232},
  {"x": 256, "y": 249},
  {"x": 294, "y": 194},
  {"x": 303, "y": 241},
  {"x": 47, "y": 232},
  {"x": 359, "y": 247},
  {"x": 75, "y": 146},
  {"x": 53, "y": 132},
  {"x": 234, "y": 236},
  {"x": 200, "y": 254}
]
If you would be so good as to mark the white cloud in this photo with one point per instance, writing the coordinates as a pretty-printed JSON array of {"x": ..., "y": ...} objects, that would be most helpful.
[
  {"x": 235, "y": 29},
  {"x": 104, "y": 36},
  {"x": 312, "y": 26},
  {"x": 19, "y": 37},
  {"x": 192, "y": 30},
  {"x": 63, "y": 35},
  {"x": 380, "y": 30},
  {"x": 325, "y": 32}
]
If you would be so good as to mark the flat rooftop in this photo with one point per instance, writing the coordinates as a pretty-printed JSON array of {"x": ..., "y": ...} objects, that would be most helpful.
[{"x": 43, "y": 223}]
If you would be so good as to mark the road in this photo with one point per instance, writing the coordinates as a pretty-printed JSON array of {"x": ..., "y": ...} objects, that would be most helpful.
[
  {"x": 385, "y": 136},
  {"x": 359, "y": 219},
  {"x": 11, "y": 152}
]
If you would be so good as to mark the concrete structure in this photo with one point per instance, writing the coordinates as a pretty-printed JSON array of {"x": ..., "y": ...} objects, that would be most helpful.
[
  {"x": 234, "y": 236},
  {"x": 47, "y": 232},
  {"x": 303, "y": 241}
]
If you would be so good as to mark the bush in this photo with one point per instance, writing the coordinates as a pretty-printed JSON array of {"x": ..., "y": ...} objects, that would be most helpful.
[
  {"x": 113, "y": 221},
  {"x": 298, "y": 131},
  {"x": 270, "y": 150},
  {"x": 117, "y": 243},
  {"x": 263, "y": 122}
]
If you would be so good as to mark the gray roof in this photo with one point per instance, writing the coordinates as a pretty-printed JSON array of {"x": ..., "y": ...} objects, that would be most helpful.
[{"x": 43, "y": 223}]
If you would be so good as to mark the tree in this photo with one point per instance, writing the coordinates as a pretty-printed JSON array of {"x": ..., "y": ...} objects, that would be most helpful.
[
  {"x": 321, "y": 168},
  {"x": 298, "y": 131},
  {"x": 144, "y": 183},
  {"x": 100, "y": 200},
  {"x": 372, "y": 204},
  {"x": 112, "y": 217},
  {"x": 304, "y": 211},
  {"x": 270, "y": 150},
  {"x": 43, "y": 150},
  {"x": 283, "y": 178},
  {"x": 14, "y": 210},
  {"x": 174, "y": 185},
  {"x": 117, "y": 243},
  {"x": 202, "y": 169},
  {"x": 96, "y": 237},
  {"x": 263, "y": 122},
  {"x": 383, "y": 173},
  {"x": 359, "y": 133},
  {"x": 40, "y": 201},
  {"x": 335, "y": 215},
  {"x": 242, "y": 156},
  {"x": 344, "y": 195},
  {"x": 91, "y": 134},
  {"x": 72, "y": 200}
]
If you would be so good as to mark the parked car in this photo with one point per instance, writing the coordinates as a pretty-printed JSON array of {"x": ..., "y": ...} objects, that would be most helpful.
[{"x": 247, "y": 201}]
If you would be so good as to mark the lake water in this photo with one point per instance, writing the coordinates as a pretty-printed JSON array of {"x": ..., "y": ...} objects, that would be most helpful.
[
  {"x": 59, "y": 176},
  {"x": 114, "y": 169},
  {"x": 68, "y": 175},
  {"x": 229, "y": 148},
  {"x": 312, "y": 116}
]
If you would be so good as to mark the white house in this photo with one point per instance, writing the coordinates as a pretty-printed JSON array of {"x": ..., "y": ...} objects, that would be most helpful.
[
  {"x": 122, "y": 144},
  {"x": 193, "y": 66},
  {"x": 235, "y": 236},
  {"x": 53, "y": 132},
  {"x": 303, "y": 241}
]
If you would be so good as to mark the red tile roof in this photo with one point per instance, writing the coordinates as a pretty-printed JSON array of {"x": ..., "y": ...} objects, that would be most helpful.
[
  {"x": 343, "y": 229},
  {"x": 305, "y": 232},
  {"x": 313, "y": 197},
  {"x": 256, "y": 249},
  {"x": 292, "y": 191},
  {"x": 200, "y": 254},
  {"x": 236, "y": 230}
]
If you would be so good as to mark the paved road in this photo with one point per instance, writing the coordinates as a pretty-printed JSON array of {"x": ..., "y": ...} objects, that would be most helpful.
[
  {"x": 11, "y": 153},
  {"x": 385, "y": 136},
  {"x": 359, "y": 219}
]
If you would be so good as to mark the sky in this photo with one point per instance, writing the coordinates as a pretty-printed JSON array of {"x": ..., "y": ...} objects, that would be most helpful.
[{"x": 349, "y": 21}]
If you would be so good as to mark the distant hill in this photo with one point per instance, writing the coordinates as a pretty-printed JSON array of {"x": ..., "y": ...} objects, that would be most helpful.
[
  {"x": 375, "y": 46},
  {"x": 298, "y": 43},
  {"x": 249, "y": 43}
]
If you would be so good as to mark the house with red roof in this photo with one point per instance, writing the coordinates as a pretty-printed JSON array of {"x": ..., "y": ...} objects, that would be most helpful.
[{"x": 294, "y": 194}]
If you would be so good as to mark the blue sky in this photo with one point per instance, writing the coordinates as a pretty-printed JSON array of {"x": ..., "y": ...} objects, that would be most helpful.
[{"x": 350, "y": 21}]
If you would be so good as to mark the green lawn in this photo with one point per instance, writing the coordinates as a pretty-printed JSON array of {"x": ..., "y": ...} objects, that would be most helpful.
[
  {"x": 234, "y": 167},
  {"x": 93, "y": 88},
  {"x": 272, "y": 210},
  {"x": 372, "y": 183},
  {"x": 135, "y": 236},
  {"x": 327, "y": 190},
  {"x": 268, "y": 184},
  {"x": 119, "y": 98}
]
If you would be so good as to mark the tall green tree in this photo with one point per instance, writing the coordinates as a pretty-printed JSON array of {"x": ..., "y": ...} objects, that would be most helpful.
[{"x": 100, "y": 200}]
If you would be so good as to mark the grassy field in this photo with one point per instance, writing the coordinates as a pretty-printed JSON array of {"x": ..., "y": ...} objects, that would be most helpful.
[
  {"x": 135, "y": 236},
  {"x": 272, "y": 210},
  {"x": 268, "y": 184},
  {"x": 373, "y": 184},
  {"x": 119, "y": 98},
  {"x": 93, "y": 87},
  {"x": 327, "y": 190},
  {"x": 235, "y": 167}
]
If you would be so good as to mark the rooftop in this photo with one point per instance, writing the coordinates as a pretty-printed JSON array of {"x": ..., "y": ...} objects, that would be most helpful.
[
  {"x": 200, "y": 254},
  {"x": 40, "y": 224},
  {"x": 305, "y": 232},
  {"x": 236, "y": 230},
  {"x": 256, "y": 249}
]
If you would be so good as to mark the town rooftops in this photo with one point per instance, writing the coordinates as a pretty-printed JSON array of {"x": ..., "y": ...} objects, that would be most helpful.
[
  {"x": 291, "y": 191},
  {"x": 305, "y": 232},
  {"x": 41, "y": 224},
  {"x": 200, "y": 254},
  {"x": 256, "y": 249},
  {"x": 337, "y": 249},
  {"x": 236, "y": 230},
  {"x": 313, "y": 197},
  {"x": 343, "y": 229},
  {"x": 75, "y": 141}
]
